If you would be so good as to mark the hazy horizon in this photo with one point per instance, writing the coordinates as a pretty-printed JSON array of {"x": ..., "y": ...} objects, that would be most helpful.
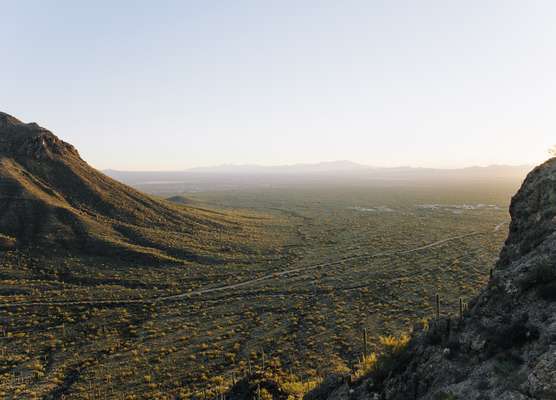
[
  {"x": 318, "y": 163},
  {"x": 142, "y": 87}
]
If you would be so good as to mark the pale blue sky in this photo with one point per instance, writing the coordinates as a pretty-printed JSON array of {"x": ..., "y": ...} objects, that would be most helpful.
[{"x": 175, "y": 84}]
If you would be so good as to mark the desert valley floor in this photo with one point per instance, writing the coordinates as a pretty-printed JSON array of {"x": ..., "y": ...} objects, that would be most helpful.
[{"x": 337, "y": 261}]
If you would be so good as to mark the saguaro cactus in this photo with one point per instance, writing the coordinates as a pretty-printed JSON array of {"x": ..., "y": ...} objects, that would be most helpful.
[
  {"x": 365, "y": 353},
  {"x": 437, "y": 300}
]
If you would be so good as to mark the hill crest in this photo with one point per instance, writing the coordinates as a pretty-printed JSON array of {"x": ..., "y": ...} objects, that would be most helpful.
[{"x": 49, "y": 196}]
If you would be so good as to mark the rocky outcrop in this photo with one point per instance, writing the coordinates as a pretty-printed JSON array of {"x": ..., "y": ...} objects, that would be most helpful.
[
  {"x": 504, "y": 348},
  {"x": 31, "y": 141}
]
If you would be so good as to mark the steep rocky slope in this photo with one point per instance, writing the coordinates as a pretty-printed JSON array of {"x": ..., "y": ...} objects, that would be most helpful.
[
  {"x": 505, "y": 346},
  {"x": 51, "y": 198}
]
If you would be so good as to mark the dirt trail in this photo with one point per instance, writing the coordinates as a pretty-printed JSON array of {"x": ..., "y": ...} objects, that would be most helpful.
[{"x": 266, "y": 277}]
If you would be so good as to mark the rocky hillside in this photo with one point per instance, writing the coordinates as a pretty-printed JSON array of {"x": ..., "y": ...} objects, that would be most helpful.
[
  {"x": 504, "y": 348},
  {"x": 51, "y": 198}
]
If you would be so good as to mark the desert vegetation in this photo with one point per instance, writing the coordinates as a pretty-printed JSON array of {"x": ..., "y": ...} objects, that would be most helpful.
[{"x": 318, "y": 272}]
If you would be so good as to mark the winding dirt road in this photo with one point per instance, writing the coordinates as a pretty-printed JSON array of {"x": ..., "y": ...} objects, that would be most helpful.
[{"x": 249, "y": 282}]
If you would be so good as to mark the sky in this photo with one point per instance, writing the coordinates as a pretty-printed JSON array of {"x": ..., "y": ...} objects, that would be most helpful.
[{"x": 169, "y": 85}]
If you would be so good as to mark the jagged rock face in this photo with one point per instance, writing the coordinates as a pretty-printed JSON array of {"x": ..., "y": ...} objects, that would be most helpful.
[
  {"x": 533, "y": 212},
  {"x": 7, "y": 120},
  {"x": 505, "y": 347},
  {"x": 30, "y": 140},
  {"x": 44, "y": 146}
]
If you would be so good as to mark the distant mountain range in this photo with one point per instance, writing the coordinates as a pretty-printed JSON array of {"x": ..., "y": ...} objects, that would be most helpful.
[
  {"x": 335, "y": 172},
  {"x": 322, "y": 167},
  {"x": 328, "y": 167}
]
